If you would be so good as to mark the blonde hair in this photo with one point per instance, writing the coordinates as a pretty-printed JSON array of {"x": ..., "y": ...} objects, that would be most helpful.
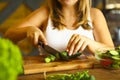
[{"x": 82, "y": 9}]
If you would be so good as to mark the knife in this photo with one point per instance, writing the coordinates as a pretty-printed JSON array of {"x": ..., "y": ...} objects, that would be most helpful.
[{"x": 53, "y": 51}]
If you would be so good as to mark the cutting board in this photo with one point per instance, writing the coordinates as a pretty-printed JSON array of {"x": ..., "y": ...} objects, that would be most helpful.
[{"x": 36, "y": 64}]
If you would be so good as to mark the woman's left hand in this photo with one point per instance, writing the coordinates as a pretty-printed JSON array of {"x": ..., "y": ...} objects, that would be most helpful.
[{"x": 77, "y": 43}]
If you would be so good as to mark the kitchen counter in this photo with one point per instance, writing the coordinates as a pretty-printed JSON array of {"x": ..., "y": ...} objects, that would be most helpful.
[{"x": 99, "y": 72}]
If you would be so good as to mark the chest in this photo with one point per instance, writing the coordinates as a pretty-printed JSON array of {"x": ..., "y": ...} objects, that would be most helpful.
[{"x": 59, "y": 39}]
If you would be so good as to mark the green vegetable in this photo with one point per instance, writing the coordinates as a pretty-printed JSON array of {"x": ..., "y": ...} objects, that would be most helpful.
[
  {"x": 75, "y": 55},
  {"x": 110, "y": 56},
  {"x": 115, "y": 58},
  {"x": 10, "y": 60},
  {"x": 62, "y": 56},
  {"x": 113, "y": 52},
  {"x": 47, "y": 60},
  {"x": 115, "y": 65},
  {"x": 91, "y": 77},
  {"x": 50, "y": 58},
  {"x": 76, "y": 76},
  {"x": 57, "y": 56},
  {"x": 65, "y": 55}
]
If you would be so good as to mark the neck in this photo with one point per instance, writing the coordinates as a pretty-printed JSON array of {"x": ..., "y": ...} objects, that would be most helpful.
[
  {"x": 68, "y": 11},
  {"x": 69, "y": 17}
]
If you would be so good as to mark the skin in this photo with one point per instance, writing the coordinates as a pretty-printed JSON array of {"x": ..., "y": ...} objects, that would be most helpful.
[{"x": 35, "y": 24}]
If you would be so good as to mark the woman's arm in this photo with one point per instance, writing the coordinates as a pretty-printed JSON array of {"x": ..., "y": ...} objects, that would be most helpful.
[
  {"x": 31, "y": 23},
  {"x": 101, "y": 34}
]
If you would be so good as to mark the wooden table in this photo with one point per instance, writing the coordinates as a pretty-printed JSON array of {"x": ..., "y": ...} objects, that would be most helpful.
[{"x": 100, "y": 73}]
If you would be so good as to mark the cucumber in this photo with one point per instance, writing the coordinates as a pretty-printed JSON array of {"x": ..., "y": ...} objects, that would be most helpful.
[
  {"x": 115, "y": 57},
  {"x": 65, "y": 55},
  {"x": 75, "y": 55},
  {"x": 113, "y": 52},
  {"x": 52, "y": 58},
  {"x": 57, "y": 56},
  {"x": 62, "y": 56},
  {"x": 47, "y": 59}
]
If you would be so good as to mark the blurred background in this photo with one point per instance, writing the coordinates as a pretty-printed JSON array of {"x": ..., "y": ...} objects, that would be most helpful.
[{"x": 14, "y": 11}]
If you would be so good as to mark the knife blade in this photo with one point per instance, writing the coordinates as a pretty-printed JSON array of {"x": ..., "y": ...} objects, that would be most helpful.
[{"x": 53, "y": 51}]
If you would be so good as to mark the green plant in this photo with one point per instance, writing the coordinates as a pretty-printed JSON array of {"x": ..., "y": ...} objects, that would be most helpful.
[
  {"x": 74, "y": 76},
  {"x": 10, "y": 60}
]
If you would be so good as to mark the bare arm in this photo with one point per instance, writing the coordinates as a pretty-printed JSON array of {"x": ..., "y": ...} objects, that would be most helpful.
[
  {"x": 31, "y": 23},
  {"x": 101, "y": 34}
]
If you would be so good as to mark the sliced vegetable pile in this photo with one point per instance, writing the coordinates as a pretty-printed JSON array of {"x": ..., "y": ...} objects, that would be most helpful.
[
  {"x": 63, "y": 56},
  {"x": 10, "y": 60},
  {"x": 76, "y": 76},
  {"x": 110, "y": 58}
]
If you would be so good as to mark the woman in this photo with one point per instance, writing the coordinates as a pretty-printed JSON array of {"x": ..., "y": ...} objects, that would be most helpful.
[{"x": 69, "y": 25}]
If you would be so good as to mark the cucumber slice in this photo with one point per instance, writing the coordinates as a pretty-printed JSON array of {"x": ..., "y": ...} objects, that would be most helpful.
[
  {"x": 115, "y": 57},
  {"x": 57, "y": 56},
  {"x": 64, "y": 53},
  {"x": 64, "y": 56},
  {"x": 52, "y": 58},
  {"x": 113, "y": 52},
  {"x": 47, "y": 59}
]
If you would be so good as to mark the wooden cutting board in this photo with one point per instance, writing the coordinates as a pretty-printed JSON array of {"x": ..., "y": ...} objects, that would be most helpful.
[{"x": 36, "y": 64}]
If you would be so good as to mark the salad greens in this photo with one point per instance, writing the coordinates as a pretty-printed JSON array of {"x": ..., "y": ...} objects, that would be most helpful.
[
  {"x": 10, "y": 60},
  {"x": 75, "y": 76},
  {"x": 110, "y": 58}
]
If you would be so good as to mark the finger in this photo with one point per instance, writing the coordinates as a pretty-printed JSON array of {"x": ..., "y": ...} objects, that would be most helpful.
[
  {"x": 35, "y": 38},
  {"x": 73, "y": 44},
  {"x": 78, "y": 46},
  {"x": 42, "y": 38},
  {"x": 71, "y": 50},
  {"x": 84, "y": 45},
  {"x": 31, "y": 39},
  {"x": 71, "y": 40}
]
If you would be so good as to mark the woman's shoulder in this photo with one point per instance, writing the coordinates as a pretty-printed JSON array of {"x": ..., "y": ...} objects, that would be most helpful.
[
  {"x": 42, "y": 11},
  {"x": 95, "y": 13},
  {"x": 37, "y": 17}
]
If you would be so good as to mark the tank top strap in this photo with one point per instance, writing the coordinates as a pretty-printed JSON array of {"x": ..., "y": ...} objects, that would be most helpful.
[{"x": 89, "y": 19}]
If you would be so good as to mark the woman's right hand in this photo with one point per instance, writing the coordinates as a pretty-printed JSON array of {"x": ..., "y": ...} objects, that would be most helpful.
[{"x": 34, "y": 35}]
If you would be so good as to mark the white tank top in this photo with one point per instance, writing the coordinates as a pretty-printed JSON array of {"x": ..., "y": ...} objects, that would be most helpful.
[{"x": 58, "y": 39}]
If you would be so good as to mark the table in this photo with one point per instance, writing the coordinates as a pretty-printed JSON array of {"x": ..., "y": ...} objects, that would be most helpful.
[{"x": 99, "y": 72}]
